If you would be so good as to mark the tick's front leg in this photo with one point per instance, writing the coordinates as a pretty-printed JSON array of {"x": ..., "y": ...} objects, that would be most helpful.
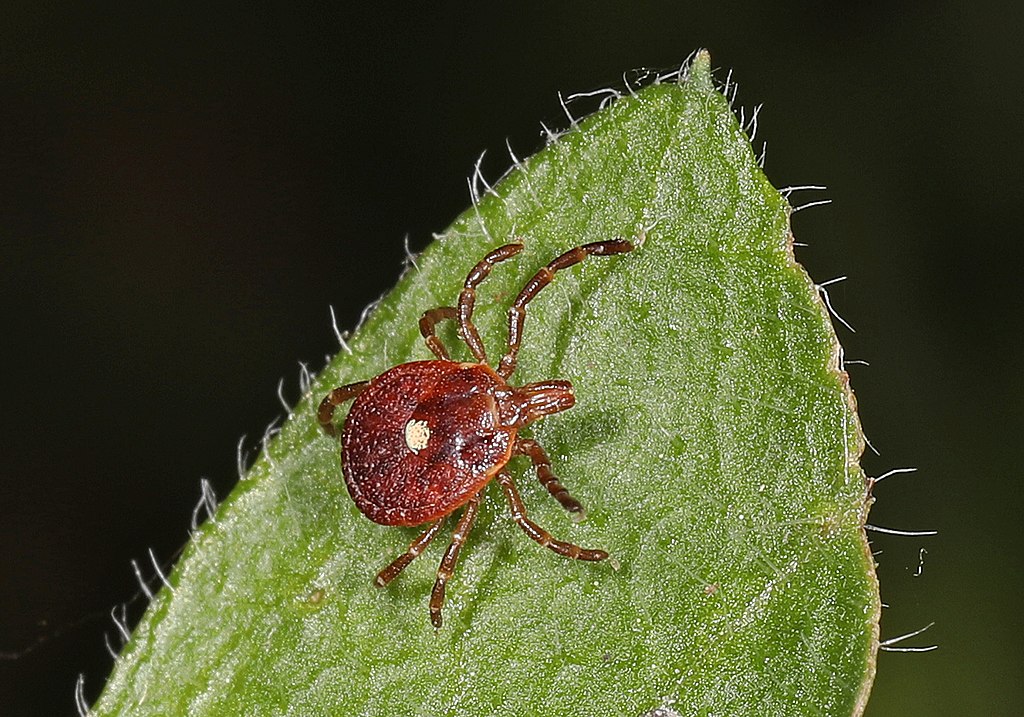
[{"x": 542, "y": 464}]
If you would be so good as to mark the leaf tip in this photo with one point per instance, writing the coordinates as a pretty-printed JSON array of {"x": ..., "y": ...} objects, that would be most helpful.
[{"x": 700, "y": 70}]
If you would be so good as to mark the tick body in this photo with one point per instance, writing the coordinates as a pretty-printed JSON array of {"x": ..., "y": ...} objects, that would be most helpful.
[{"x": 423, "y": 439}]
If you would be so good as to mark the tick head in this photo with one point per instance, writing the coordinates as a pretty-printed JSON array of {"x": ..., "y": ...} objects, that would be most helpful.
[{"x": 521, "y": 406}]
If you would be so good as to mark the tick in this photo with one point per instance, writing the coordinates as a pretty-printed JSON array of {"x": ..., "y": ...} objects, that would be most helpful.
[{"x": 424, "y": 438}]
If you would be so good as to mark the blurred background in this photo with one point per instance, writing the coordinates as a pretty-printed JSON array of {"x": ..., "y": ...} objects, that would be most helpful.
[{"x": 185, "y": 193}]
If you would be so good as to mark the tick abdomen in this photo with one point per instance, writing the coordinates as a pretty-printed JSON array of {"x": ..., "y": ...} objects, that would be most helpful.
[{"x": 422, "y": 439}]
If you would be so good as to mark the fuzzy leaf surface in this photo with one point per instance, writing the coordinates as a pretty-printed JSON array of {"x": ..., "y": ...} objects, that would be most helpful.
[{"x": 714, "y": 443}]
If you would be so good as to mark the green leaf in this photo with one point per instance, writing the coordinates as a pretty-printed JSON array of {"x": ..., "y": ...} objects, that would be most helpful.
[{"x": 714, "y": 442}]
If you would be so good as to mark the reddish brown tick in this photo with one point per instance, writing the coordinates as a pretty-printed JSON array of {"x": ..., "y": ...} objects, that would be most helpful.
[{"x": 424, "y": 438}]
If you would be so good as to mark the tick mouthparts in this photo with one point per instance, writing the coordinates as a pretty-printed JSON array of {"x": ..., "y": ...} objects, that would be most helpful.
[{"x": 535, "y": 400}]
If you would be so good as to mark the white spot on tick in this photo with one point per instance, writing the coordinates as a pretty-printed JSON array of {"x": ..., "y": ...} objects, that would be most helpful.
[{"x": 417, "y": 433}]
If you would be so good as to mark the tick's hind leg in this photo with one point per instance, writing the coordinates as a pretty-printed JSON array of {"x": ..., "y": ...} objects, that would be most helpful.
[
  {"x": 537, "y": 533},
  {"x": 416, "y": 547},
  {"x": 325, "y": 414},
  {"x": 431, "y": 318},
  {"x": 542, "y": 464},
  {"x": 451, "y": 556}
]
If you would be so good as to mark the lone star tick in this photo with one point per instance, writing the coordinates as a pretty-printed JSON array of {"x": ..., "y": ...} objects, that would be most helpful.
[{"x": 424, "y": 438}]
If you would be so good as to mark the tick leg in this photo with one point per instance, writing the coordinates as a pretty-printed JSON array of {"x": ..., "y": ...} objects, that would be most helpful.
[
  {"x": 450, "y": 557},
  {"x": 517, "y": 313},
  {"x": 537, "y": 533},
  {"x": 325, "y": 414},
  {"x": 416, "y": 547},
  {"x": 541, "y": 462},
  {"x": 430, "y": 318},
  {"x": 467, "y": 297}
]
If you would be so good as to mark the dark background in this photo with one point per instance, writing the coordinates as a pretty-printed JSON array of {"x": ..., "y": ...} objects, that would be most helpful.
[{"x": 184, "y": 193}]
